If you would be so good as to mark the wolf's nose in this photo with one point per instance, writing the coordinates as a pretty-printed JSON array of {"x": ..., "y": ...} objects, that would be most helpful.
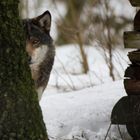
[{"x": 29, "y": 60}]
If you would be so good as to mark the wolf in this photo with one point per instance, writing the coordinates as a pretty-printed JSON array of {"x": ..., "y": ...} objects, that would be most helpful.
[{"x": 40, "y": 49}]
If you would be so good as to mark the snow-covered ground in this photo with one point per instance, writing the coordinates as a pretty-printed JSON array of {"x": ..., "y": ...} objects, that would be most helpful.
[
  {"x": 78, "y": 106},
  {"x": 84, "y": 114},
  {"x": 67, "y": 71}
]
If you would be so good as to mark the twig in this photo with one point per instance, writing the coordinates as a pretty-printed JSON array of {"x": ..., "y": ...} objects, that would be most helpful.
[
  {"x": 63, "y": 79},
  {"x": 72, "y": 83},
  {"x": 108, "y": 131},
  {"x": 120, "y": 132}
]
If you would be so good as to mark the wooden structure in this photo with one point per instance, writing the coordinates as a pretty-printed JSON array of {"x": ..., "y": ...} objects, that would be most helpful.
[{"x": 127, "y": 110}]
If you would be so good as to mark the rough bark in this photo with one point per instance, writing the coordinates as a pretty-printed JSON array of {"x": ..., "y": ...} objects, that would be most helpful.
[{"x": 20, "y": 114}]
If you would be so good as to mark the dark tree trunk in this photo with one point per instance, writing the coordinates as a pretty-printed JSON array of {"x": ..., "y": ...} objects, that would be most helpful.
[{"x": 20, "y": 114}]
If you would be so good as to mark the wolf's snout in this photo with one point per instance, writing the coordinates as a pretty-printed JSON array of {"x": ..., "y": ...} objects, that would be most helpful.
[{"x": 29, "y": 60}]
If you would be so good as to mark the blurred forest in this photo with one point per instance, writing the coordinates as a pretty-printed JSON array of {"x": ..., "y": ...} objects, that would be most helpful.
[{"x": 85, "y": 22}]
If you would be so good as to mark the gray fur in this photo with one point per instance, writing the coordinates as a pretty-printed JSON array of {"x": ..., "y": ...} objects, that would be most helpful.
[
  {"x": 39, "y": 28},
  {"x": 45, "y": 68}
]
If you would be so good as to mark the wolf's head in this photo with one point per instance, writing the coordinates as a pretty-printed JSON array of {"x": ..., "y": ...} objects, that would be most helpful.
[
  {"x": 38, "y": 38},
  {"x": 39, "y": 47}
]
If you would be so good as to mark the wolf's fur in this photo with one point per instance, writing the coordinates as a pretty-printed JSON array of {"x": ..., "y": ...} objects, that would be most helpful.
[{"x": 40, "y": 49}]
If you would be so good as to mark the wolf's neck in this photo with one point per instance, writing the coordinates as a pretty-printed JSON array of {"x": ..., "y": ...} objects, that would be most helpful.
[{"x": 44, "y": 69}]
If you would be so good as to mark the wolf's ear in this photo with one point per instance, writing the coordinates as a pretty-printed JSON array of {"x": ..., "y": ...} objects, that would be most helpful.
[{"x": 44, "y": 21}]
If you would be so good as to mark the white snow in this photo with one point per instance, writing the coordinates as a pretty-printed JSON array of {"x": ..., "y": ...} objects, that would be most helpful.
[
  {"x": 67, "y": 70},
  {"x": 84, "y": 112}
]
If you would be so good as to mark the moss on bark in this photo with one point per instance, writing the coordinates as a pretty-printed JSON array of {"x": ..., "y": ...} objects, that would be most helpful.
[{"x": 20, "y": 114}]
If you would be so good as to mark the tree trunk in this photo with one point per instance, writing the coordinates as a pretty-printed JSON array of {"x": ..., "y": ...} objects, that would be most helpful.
[
  {"x": 68, "y": 27},
  {"x": 85, "y": 65},
  {"x": 20, "y": 114},
  {"x": 109, "y": 43}
]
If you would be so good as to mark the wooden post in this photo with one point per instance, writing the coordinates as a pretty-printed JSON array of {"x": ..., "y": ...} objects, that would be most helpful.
[
  {"x": 135, "y": 3},
  {"x": 127, "y": 109}
]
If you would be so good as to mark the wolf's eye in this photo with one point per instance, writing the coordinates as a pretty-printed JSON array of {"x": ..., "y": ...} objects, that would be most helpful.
[{"x": 35, "y": 42}]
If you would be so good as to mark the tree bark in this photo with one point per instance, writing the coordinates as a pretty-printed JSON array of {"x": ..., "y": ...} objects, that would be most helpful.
[{"x": 20, "y": 114}]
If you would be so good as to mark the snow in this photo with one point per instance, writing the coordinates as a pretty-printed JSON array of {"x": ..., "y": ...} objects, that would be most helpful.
[
  {"x": 67, "y": 70},
  {"x": 78, "y": 106},
  {"x": 86, "y": 111}
]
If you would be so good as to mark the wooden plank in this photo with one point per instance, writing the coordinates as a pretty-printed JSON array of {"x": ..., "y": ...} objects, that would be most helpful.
[
  {"x": 132, "y": 87},
  {"x": 132, "y": 39},
  {"x": 134, "y": 57},
  {"x": 135, "y": 3},
  {"x": 137, "y": 21},
  {"x": 133, "y": 72},
  {"x": 124, "y": 111}
]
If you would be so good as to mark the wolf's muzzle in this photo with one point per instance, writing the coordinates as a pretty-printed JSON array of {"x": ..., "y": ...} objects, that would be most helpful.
[{"x": 29, "y": 60}]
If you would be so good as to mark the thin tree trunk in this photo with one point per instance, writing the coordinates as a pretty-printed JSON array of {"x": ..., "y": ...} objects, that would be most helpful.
[
  {"x": 109, "y": 42},
  {"x": 85, "y": 65},
  {"x": 75, "y": 16},
  {"x": 20, "y": 114}
]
